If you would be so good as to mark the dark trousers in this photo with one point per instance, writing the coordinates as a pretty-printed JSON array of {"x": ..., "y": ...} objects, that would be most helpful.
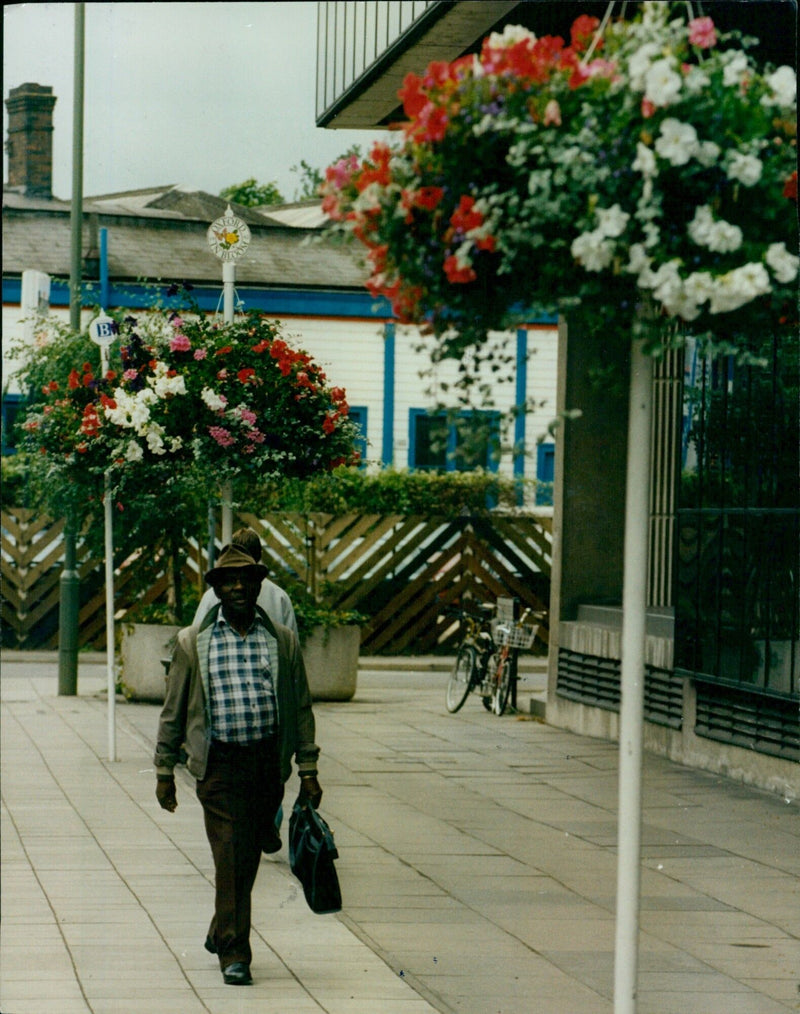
[{"x": 240, "y": 796}]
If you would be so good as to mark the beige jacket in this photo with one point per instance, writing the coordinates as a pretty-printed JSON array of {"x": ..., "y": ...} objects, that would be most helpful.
[{"x": 184, "y": 726}]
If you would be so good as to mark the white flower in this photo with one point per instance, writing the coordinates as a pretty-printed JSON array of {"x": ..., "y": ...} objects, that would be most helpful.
[
  {"x": 512, "y": 34},
  {"x": 784, "y": 264},
  {"x": 677, "y": 142},
  {"x": 725, "y": 237},
  {"x": 699, "y": 286},
  {"x": 163, "y": 384},
  {"x": 744, "y": 168},
  {"x": 735, "y": 69},
  {"x": 132, "y": 411},
  {"x": 718, "y": 235},
  {"x": 645, "y": 161},
  {"x": 783, "y": 83},
  {"x": 592, "y": 250},
  {"x": 133, "y": 452},
  {"x": 155, "y": 439},
  {"x": 738, "y": 287},
  {"x": 638, "y": 261},
  {"x": 369, "y": 199},
  {"x": 216, "y": 402},
  {"x": 639, "y": 64},
  {"x": 662, "y": 83},
  {"x": 707, "y": 153},
  {"x": 652, "y": 235},
  {"x": 612, "y": 221},
  {"x": 695, "y": 81},
  {"x": 175, "y": 444},
  {"x": 668, "y": 286}
]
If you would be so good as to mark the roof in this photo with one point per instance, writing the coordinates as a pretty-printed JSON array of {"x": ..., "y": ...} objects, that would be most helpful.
[{"x": 160, "y": 233}]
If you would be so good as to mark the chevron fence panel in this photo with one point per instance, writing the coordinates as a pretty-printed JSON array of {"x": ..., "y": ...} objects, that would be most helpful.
[{"x": 399, "y": 571}]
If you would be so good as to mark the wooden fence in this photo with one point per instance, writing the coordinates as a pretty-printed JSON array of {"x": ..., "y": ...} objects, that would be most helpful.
[{"x": 399, "y": 571}]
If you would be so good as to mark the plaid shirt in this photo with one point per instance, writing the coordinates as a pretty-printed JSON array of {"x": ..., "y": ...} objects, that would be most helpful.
[{"x": 243, "y": 708}]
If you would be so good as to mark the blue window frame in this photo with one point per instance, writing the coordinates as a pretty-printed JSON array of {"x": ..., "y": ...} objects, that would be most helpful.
[
  {"x": 358, "y": 413},
  {"x": 545, "y": 473},
  {"x": 12, "y": 404},
  {"x": 438, "y": 442}
]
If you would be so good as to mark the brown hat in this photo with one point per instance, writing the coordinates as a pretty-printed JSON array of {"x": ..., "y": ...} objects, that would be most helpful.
[{"x": 235, "y": 558}]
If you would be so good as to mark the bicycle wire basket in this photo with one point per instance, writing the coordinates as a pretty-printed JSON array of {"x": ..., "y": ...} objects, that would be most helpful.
[{"x": 515, "y": 635}]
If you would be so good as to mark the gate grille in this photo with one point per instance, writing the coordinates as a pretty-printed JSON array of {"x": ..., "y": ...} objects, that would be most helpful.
[
  {"x": 754, "y": 721},
  {"x": 590, "y": 679}
]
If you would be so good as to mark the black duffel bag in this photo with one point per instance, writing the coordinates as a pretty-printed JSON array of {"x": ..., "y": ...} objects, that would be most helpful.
[{"x": 311, "y": 855}]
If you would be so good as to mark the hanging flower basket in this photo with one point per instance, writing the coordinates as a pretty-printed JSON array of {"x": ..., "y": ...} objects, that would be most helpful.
[
  {"x": 648, "y": 159},
  {"x": 187, "y": 404}
]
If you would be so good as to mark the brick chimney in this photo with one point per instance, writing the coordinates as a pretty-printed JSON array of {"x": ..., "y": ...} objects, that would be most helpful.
[{"x": 30, "y": 139}]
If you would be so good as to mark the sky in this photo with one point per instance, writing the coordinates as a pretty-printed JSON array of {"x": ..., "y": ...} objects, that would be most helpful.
[{"x": 201, "y": 94}]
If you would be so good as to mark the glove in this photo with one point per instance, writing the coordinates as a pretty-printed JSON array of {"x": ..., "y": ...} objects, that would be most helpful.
[
  {"x": 165, "y": 793},
  {"x": 310, "y": 790}
]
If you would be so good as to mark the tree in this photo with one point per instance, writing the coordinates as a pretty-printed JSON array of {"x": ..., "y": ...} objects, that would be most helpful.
[{"x": 252, "y": 194}]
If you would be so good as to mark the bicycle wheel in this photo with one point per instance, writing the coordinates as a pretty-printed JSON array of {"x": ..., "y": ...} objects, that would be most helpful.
[
  {"x": 460, "y": 682},
  {"x": 501, "y": 687}
]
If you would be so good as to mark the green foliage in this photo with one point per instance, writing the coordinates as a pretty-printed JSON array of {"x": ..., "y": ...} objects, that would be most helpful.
[
  {"x": 252, "y": 194},
  {"x": 390, "y": 491},
  {"x": 13, "y": 477},
  {"x": 311, "y": 612}
]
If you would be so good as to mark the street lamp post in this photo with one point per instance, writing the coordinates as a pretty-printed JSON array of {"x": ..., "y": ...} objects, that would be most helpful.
[{"x": 228, "y": 237}]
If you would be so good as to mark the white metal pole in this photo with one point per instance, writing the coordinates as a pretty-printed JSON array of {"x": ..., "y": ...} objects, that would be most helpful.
[
  {"x": 634, "y": 609},
  {"x": 109, "y": 553},
  {"x": 228, "y": 279}
]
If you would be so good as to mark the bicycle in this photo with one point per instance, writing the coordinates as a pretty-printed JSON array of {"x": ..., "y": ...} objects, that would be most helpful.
[{"x": 487, "y": 657}]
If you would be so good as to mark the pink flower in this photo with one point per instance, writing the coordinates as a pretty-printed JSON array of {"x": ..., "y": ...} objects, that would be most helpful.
[
  {"x": 130, "y": 375},
  {"x": 177, "y": 322},
  {"x": 200, "y": 354},
  {"x": 179, "y": 343},
  {"x": 255, "y": 436},
  {"x": 222, "y": 436},
  {"x": 247, "y": 416},
  {"x": 702, "y": 33}
]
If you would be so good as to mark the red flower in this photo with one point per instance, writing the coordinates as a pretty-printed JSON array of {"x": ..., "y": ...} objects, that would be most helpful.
[
  {"x": 74, "y": 380},
  {"x": 582, "y": 32},
  {"x": 412, "y": 96},
  {"x": 465, "y": 217},
  {"x": 329, "y": 423},
  {"x": 790, "y": 189},
  {"x": 428, "y": 197},
  {"x": 246, "y": 375},
  {"x": 457, "y": 273},
  {"x": 431, "y": 123},
  {"x": 224, "y": 350},
  {"x": 262, "y": 346}
]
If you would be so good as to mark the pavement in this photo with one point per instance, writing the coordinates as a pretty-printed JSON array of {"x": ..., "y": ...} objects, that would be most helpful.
[{"x": 477, "y": 865}]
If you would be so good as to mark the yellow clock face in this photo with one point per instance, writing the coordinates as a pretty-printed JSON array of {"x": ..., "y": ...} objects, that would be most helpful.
[{"x": 228, "y": 237}]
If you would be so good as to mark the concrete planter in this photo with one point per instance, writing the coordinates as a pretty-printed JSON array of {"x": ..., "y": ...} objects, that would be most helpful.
[
  {"x": 143, "y": 647},
  {"x": 331, "y": 658}
]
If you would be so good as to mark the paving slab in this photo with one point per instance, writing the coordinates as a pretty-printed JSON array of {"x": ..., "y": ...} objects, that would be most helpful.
[{"x": 477, "y": 861}]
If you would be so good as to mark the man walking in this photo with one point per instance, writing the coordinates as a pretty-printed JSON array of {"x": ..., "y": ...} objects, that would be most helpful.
[{"x": 238, "y": 703}]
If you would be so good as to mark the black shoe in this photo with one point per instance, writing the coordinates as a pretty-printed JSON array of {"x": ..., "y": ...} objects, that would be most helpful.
[
  {"x": 237, "y": 974},
  {"x": 271, "y": 842},
  {"x": 210, "y": 946}
]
